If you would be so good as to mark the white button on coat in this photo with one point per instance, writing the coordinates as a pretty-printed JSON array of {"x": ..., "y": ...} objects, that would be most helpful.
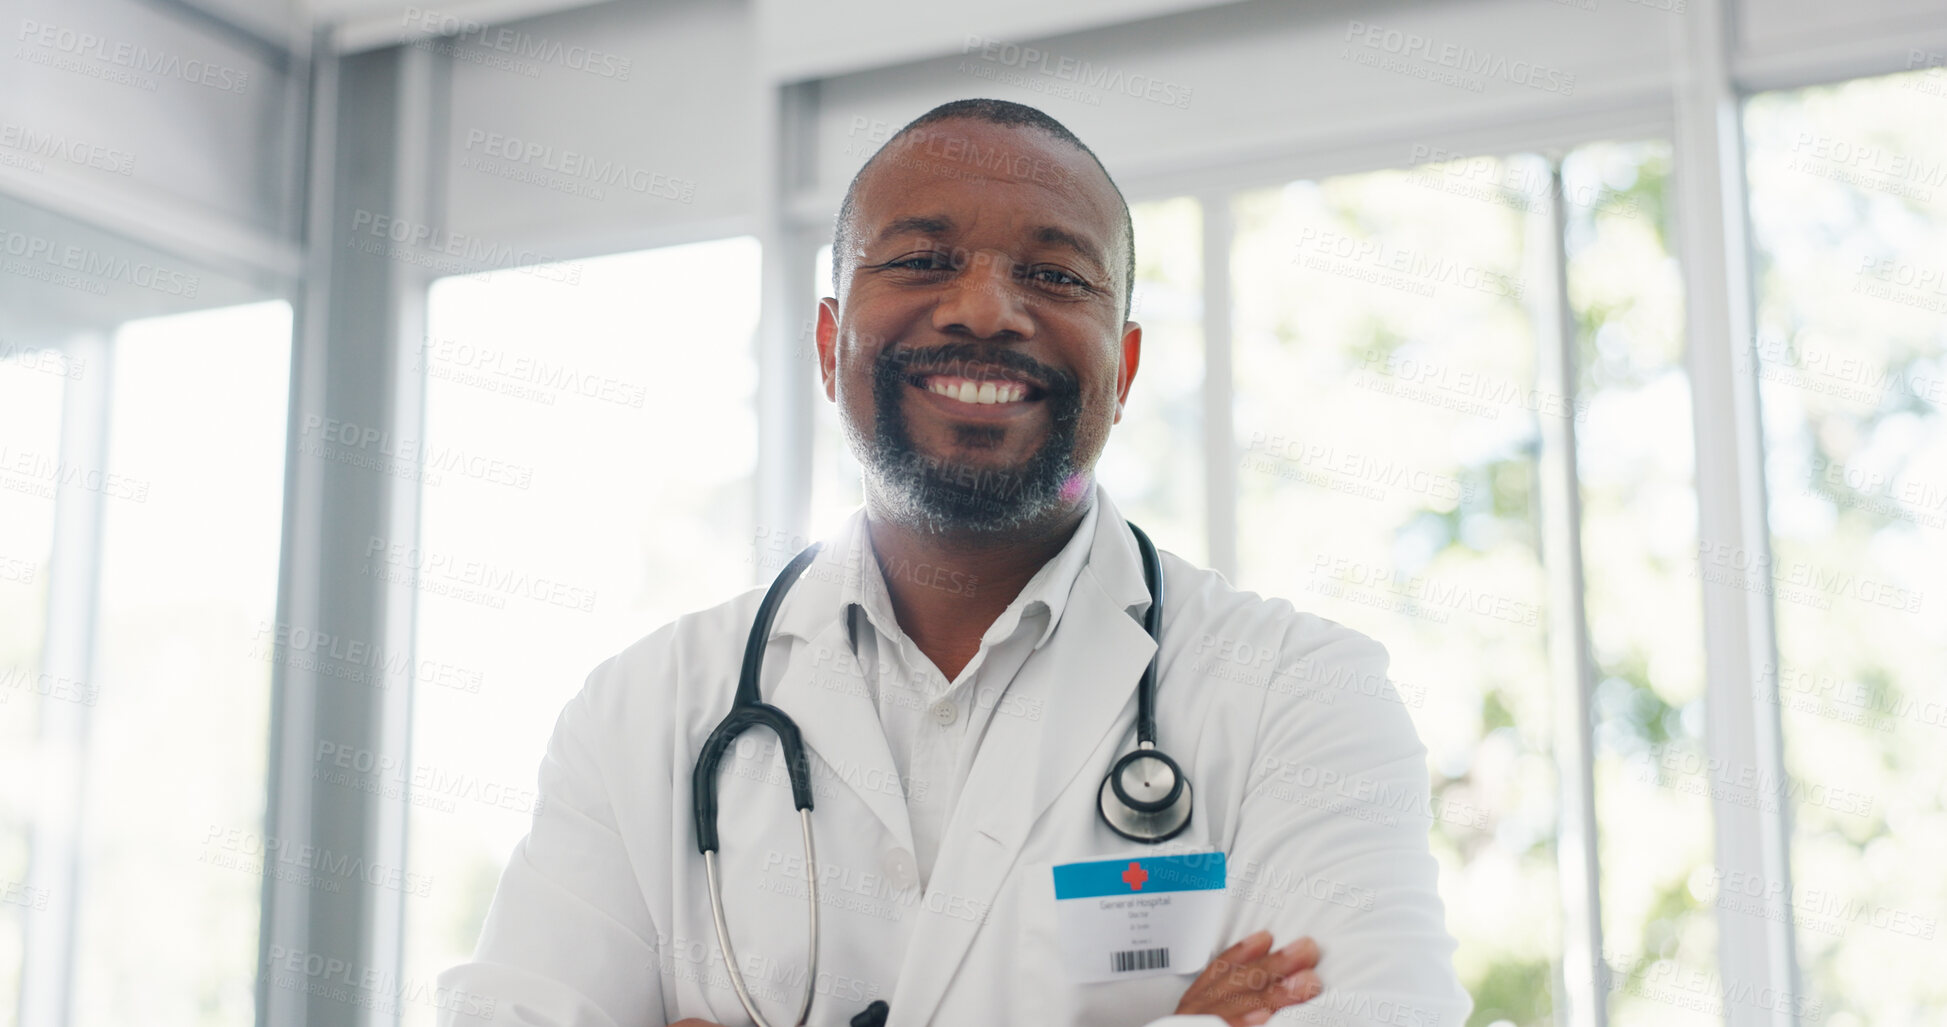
[
  {"x": 945, "y": 712},
  {"x": 902, "y": 871},
  {"x": 1307, "y": 769}
]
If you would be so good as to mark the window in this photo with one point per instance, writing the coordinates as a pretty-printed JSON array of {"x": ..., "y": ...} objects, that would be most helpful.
[
  {"x": 1393, "y": 411},
  {"x": 1848, "y": 207},
  {"x": 1153, "y": 466},
  {"x": 1635, "y": 468},
  {"x": 189, "y": 556},
  {"x": 835, "y": 486},
  {"x": 1384, "y": 367},
  {"x": 142, "y": 487},
  {"x": 618, "y": 404},
  {"x": 32, "y": 381}
]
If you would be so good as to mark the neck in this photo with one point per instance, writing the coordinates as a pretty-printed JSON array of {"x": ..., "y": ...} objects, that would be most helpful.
[{"x": 948, "y": 589}]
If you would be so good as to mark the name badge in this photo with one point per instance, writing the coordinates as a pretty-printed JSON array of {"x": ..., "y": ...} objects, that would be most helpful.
[{"x": 1137, "y": 916}]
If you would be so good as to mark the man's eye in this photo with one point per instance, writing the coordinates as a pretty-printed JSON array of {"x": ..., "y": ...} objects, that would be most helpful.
[
  {"x": 1057, "y": 277},
  {"x": 923, "y": 262}
]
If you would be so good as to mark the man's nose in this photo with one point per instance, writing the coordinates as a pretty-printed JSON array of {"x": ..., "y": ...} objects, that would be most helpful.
[{"x": 983, "y": 300}]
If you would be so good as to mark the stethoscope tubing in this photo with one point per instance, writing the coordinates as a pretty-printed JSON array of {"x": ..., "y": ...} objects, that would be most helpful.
[
  {"x": 748, "y": 710},
  {"x": 723, "y": 929},
  {"x": 1153, "y": 623}
]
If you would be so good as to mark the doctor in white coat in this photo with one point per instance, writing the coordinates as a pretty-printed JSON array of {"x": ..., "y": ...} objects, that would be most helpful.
[{"x": 962, "y": 660}]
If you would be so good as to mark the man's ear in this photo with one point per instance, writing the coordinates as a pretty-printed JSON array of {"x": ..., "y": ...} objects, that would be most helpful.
[
  {"x": 827, "y": 335},
  {"x": 1132, "y": 352}
]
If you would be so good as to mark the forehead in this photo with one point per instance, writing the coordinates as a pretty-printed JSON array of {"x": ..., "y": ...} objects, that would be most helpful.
[{"x": 1014, "y": 176}]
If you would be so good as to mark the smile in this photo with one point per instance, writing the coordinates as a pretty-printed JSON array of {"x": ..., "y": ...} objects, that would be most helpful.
[{"x": 978, "y": 392}]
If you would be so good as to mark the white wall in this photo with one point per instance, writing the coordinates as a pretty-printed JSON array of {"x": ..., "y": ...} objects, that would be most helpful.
[
  {"x": 1271, "y": 83},
  {"x": 201, "y": 118},
  {"x": 132, "y": 125},
  {"x": 799, "y": 40},
  {"x": 1244, "y": 91},
  {"x": 1781, "y": 41},
  {"x": 1774, "y": 26},
  {"x": 656, "y": 107},
  {"x": 1235, "y": 91}
]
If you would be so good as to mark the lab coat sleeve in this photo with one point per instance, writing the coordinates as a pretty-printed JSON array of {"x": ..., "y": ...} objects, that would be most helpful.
[
  {"x": 1332, "y": 840},
  {"x": 568, "y": 941}
]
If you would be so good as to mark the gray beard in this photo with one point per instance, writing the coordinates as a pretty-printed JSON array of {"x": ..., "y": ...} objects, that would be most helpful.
[{"x": 942, "y": 497}]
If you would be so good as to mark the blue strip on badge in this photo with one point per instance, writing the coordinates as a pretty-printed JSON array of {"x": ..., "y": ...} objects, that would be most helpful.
[{"x": 1196, "y": 871}]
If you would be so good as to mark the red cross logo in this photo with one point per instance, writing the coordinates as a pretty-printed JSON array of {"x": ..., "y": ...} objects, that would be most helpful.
[{"x": 1135, "y": 876}]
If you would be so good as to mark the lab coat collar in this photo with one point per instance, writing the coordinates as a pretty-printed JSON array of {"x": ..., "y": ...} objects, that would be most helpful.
[
  {"x": 835, "y": 576},
  {"x": 1114, "y": 560}
]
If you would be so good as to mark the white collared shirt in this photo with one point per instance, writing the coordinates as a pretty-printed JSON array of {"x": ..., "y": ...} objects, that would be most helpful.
[{"x": 933, "y": 727}]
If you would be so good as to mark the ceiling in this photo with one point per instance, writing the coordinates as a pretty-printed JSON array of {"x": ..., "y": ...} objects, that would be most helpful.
[{"x": 362, "y": 24}]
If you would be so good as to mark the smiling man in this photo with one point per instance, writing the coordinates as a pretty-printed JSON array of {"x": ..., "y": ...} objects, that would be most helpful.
[{"x": 1000, "y": 837}]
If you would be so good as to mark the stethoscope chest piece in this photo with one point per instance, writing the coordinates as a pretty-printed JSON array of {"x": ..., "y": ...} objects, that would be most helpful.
[{"x": 1146, "y": 798}]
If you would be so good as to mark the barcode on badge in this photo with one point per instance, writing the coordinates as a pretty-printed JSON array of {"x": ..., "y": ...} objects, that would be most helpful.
[{"x": 1139, "y": 959}]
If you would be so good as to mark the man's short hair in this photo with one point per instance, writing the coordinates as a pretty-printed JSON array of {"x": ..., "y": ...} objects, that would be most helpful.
[{"x": 993, "y": 112}]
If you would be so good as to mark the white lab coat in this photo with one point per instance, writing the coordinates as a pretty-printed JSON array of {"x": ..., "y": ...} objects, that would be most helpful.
[{"x": 1306, "y": 768}]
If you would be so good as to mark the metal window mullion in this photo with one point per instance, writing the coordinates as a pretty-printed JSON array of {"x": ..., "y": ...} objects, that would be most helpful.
[
  {"x": 1219, "y": 387},
  {"x": 284, "y": 917},
  {"x": 1584, "y": 973},
  {"x": 1741, "y": 720},
  {"x": 782, "y": 494},
  {"x": 360, "y": 311},
  {"x": 67, "y": 654},
  {"x": 416, "y": 124}
]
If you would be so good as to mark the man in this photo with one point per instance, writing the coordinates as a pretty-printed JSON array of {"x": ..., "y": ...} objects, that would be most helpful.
[{"x": 962, "y": 660}]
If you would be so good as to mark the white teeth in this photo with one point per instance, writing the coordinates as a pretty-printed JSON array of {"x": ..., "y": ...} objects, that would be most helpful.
[{"x": 980, "y": 393}]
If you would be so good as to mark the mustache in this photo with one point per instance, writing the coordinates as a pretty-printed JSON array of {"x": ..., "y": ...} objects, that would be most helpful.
[{"x": 916, "y": 360}]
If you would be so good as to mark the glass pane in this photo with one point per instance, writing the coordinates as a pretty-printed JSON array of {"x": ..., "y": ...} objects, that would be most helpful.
[
  {"x": 1634, "y": 454},
  {"x": 142, "y": 429},
  {"x": 835, "y": 487},
  {"x": 1153, "y": 465},
  {"x": 31, "y": 384},
  {"x": 1849, "y": 211},
  {"x": 1385, "y": 414},
  {"x": 624, "y": 410},
  {"x": 176, "y": 758}
]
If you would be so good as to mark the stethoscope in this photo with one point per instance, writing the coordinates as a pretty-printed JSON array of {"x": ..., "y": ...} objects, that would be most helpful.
[{"x": 1145, "y": 797}]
